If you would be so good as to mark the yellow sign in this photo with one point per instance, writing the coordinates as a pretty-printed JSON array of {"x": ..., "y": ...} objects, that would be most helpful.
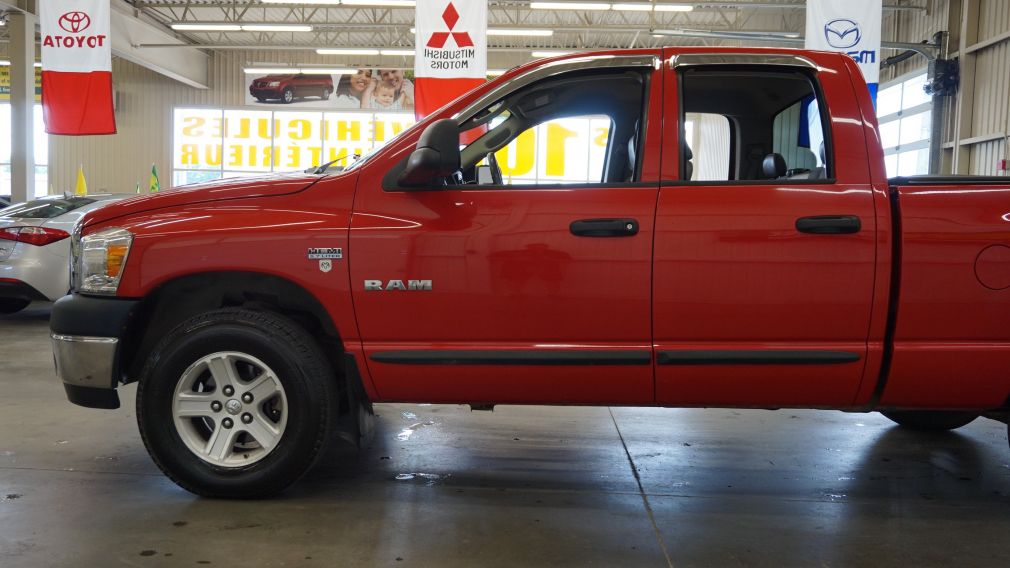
[
  {"x": 254, "y": 141},
  {"x": 213, "y": 143},
  {"x": 5, "y": 83}
]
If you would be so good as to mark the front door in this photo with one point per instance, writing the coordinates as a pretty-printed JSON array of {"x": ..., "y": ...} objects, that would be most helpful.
[
  {"x": 527, "y": 279},
  {"x": 765, "y": 241}
]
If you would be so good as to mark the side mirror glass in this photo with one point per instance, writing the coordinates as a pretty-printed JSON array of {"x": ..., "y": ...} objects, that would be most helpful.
[{"x": 435, "y": 158}]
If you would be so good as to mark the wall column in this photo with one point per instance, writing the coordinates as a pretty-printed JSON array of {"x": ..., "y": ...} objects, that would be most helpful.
[{"x": 21, "y": 50}]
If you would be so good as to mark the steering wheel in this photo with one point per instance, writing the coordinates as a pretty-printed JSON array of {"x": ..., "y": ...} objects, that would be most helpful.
[{"x": 496, "y": 176}]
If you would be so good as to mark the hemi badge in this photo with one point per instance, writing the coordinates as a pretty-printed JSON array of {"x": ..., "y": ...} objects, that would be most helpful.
[{"x": 323, "y": 253}]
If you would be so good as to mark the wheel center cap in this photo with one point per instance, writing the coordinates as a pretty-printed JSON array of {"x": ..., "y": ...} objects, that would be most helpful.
[{"x": 233, "y": 406}]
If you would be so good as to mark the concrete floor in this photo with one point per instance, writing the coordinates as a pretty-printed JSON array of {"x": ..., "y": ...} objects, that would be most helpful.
[{"x": 522, "y": 486}]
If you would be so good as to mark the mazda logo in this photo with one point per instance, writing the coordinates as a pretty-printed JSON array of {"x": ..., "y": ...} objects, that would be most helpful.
[
  {"x": 75, "y": 22},
  {"x": 842, "y": 33}
]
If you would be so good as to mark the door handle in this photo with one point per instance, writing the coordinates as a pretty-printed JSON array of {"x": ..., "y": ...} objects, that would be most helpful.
[
  {"x": 604, "y": 228},
  {"x": 829, "y": 225}
]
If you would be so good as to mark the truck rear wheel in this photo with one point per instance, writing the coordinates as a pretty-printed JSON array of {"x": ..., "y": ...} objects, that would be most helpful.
[
  {"x": 931, "y": 420},
  {"x": 236, "y": 403}
]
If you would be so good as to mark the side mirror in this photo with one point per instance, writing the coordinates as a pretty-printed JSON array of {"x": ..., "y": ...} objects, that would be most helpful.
[{"x": 436, "y": 157}]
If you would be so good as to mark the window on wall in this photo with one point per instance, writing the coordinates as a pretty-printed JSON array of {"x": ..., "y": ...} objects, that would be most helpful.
[
  {"x": 215, "y": 143},
  {"x": 41, "y": 152},
  {"x": 904, "y": 113}
]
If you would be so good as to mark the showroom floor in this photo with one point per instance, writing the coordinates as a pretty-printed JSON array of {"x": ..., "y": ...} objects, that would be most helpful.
[{"x": 521, "y": 486}]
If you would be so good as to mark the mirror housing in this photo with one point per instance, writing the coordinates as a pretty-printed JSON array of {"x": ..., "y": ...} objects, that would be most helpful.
[{"x": 436, "y": 156}]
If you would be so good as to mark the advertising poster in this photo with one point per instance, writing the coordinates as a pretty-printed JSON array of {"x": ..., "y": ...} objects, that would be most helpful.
[
  {"x": 5, "y": 83},
  {"x": 375, "y": 90}
]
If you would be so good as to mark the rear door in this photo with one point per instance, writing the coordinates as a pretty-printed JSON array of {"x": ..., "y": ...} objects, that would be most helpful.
[
  {"x": 765, "y": 241},
  {"x": 529, "y": 287}
]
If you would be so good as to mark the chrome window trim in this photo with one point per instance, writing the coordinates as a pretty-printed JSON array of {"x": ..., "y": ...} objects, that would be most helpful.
[
  {"x": 777, "y": 59},
  {"x": 550, "y": 70}
]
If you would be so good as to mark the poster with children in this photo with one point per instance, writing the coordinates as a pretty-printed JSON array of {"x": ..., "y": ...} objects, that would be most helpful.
[{"x": 366, "y": 89}]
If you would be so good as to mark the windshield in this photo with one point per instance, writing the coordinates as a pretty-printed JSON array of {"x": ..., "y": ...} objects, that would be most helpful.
[{"x": 45, "y": 208}]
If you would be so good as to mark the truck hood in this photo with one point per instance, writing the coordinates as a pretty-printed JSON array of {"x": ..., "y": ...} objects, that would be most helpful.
[{"x": 220, "y": 190}]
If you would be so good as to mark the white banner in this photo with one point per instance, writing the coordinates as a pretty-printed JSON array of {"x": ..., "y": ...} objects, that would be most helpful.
[
  {"x": 75, "y": 35},
  {"x": 451, "y": 40},
  {"x": 848, "y": 26}
]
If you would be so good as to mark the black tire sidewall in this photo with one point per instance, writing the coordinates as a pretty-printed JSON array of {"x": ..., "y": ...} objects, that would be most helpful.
[{"x": 305, "y": 407}]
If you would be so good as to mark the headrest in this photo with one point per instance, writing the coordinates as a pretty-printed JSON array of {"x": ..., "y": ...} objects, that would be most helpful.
[
  {"x": 688, "y": 154},
  {"x": 824, "y": 160},
  {"x": 773, "y": 166}
]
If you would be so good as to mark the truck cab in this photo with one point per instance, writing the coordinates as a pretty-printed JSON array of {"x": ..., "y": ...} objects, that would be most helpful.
[{"x": 733, "y": 241}]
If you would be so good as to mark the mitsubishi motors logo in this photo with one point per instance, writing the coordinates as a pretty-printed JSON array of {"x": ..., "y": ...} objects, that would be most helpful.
[
  {"x": 74, "y": 22},
  {"x": 450, "y": 16}
]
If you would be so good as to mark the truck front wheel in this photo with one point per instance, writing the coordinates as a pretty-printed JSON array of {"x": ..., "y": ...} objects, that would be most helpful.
[
  {"x": 236, "y": 403},
  {"x": 931, "y": 420}
]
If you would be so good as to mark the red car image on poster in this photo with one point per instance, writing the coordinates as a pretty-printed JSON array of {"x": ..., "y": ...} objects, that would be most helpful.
[{"x": 287, "y": 88}]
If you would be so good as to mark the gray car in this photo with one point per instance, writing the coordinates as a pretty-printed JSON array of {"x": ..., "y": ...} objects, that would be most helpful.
[{"x": 35, "y": 247}]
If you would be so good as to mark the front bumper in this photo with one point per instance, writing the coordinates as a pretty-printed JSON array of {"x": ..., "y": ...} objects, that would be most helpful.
[
  {"x": 16, "y": 289},
  {"x": 266, "y": 92},
  {"x": 86, "y": 335}
]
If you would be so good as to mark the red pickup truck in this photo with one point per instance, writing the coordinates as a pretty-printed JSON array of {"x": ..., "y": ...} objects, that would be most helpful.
[{"x": 738, "y": 245}]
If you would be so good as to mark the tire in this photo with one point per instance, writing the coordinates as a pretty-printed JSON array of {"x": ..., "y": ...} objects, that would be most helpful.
[
  {"x": 287, "y": 96},
  {"x": 231, "y": 343},
  {"x": 13, "y": 305},
  {"x": 930, "y": 420},
  {"x": 261, "y": 99},
  {"x": 326, "y": 94}
]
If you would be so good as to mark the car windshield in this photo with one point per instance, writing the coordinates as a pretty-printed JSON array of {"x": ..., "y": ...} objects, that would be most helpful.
[{"x": 45, "y": 208}]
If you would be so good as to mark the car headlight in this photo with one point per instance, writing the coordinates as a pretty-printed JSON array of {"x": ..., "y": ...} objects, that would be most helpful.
[
  {"x": 274, "y": 84},
  {"x": 98, "y": 260}
]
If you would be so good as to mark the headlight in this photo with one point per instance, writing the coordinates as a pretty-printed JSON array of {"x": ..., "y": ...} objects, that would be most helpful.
[
  {"x": 99, "y": 259},
  {"x": 274, "y": 84}
]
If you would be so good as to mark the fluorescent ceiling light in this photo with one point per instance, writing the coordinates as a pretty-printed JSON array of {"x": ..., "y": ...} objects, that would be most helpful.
[
  {"x": 495, "y": 72},
  {"x": 569, "y": 6},
  {"x": 276, "y": 28},
  {"x": 670, "y": 7},
  {"x": 300, "y": 1},
  {"x": 390, "y": 3},
  {"x": 633, "y": 7},
  {"x": 6, "y": 63},
  {"x": 550, "y": 53},
  {"x": 207, "y": 27},
  {"x": 271, "y": 70},
  {"x": 403, "y": 52},
  {"x": 519, "y": 32},
  {"x": 348, "y": 51}
]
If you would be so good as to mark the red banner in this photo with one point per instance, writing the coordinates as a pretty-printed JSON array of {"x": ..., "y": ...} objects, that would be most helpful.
[
  {"x": 76, "y": 67},
  {"x": 451, "y": 51}
]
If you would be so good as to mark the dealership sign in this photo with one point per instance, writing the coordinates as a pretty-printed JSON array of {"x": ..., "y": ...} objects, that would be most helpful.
[
  {"x": 209, "y": 143},
  {"x": 451, "y": 51},
  {"x": 851, "y": 27},
  {"x": 76, "y": 67}
]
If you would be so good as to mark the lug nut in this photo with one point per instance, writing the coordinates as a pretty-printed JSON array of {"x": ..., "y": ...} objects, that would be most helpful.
[
  {"x": 247, "y": 418},
  {"x": 215, "y": 406},
  {"x": 227, "y": 423},
  {"x": 247, "y": 397},
  {"x": 228, "y": 391}
]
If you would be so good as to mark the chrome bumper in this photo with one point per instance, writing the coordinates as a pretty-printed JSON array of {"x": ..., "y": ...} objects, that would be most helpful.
[{"x": 85, "y": 361}]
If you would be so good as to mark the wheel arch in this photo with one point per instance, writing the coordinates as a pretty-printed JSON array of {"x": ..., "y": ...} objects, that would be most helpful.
[{"x": 179, "y": 299}]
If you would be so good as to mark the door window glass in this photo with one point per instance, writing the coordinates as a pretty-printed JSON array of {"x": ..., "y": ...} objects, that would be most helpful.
[
  {"x": 771, "y": 125},
  {"x": 577, "y": 128}
]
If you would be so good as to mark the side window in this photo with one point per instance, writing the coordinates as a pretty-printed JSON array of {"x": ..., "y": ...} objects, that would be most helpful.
[
  {"x": 563, "y": 150},
  {"x": 710, "y": 134},
  {"x": 752, "y": 123},
  {"x": 582, "y": 127}
]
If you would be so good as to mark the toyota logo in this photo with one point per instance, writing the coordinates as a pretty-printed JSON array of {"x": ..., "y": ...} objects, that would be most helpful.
[
  {"x": 842, "y": 33},
  {"x": 75, "y": 22}
]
